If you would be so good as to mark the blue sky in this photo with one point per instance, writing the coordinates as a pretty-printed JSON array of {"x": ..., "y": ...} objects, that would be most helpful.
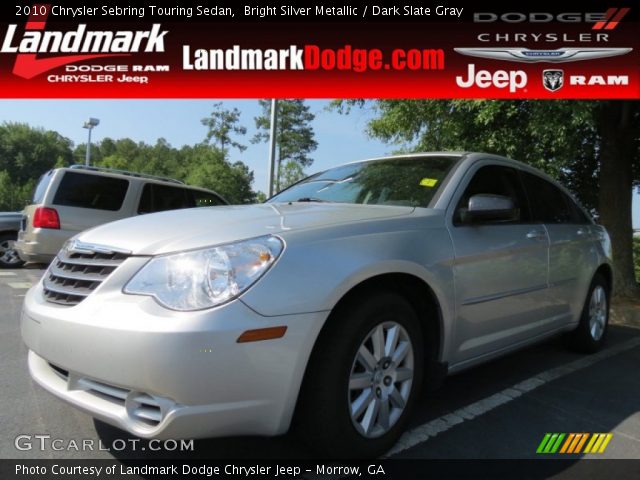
[{"x": 340, "y": 138}]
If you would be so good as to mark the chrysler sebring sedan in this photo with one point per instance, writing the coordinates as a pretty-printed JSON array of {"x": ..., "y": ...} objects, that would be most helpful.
[{"x": 325, "y": 309}]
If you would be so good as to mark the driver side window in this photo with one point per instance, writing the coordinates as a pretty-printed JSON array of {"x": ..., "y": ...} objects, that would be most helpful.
[{"x": 494, "y": 180}]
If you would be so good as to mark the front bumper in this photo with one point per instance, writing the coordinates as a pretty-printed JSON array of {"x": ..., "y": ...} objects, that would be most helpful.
[{"x": 163, "y": 374}]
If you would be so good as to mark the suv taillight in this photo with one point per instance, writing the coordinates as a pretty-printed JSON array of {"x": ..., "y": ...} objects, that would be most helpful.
[{"x": 45, "y": 217}]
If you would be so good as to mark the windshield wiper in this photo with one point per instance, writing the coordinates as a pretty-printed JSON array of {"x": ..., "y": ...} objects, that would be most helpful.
[{"x": 312, "y": 199}]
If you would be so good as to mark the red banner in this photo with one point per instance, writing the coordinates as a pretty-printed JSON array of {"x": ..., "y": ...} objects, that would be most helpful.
[{"x": 363, "y": 51}]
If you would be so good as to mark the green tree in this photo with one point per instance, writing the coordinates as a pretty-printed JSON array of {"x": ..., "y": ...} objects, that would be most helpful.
[
  {"x": 14, "y": 196},
  {"x": 222, "y": 125},
  {"x": 207, "y": 167},
  {"x": 291, "y": 173},
  {"x": 593, "y": 147},
  {"x": 201, "y": 165},
  {"x": 295, "y": 136},
  {"x": 25, "y": 154}
]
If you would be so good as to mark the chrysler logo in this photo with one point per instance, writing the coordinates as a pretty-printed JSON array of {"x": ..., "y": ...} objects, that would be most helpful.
[
  {"x": 552, "y": 56},
  {"x": 76, "y": 246}
]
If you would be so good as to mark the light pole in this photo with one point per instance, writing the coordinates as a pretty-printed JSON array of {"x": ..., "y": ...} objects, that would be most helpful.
[
  {"x": 272, "y": 147},
  {"x": 89, "y": 124}
]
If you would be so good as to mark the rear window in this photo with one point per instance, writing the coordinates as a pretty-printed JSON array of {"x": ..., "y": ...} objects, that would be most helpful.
[
  {"x": 206, "y": 199},
  {"x": 550, "y": 204},
  {"x": 41, "y": 187},
  {"x": 159, "y": 198},
  {"x": 91, "y": 191}
]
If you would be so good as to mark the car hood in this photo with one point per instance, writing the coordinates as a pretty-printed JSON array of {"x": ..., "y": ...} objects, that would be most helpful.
[{"x": 179, "y": 230}]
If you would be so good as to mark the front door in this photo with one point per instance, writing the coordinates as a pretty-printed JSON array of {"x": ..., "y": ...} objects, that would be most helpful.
[{"x": 500, "y": 269}]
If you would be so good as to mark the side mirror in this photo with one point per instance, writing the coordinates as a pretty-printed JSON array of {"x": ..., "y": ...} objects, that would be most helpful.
[{"x": 491, "y": 208}]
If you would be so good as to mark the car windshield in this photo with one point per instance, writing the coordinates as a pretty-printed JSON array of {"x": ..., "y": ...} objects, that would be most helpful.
[{"x": 405, "y": 181}]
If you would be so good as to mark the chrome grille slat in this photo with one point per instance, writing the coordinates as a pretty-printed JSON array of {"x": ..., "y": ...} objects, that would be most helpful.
[
  {"x": 98, "y": 262},
  {"x": 74, "y": 274},
  {"x": 76, "y": 292}
]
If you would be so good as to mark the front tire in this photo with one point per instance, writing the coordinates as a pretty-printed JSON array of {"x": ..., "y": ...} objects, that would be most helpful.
[
  {"x": 589, "y": 336},
  {"x": 8, "y": 255},
  {"x": 363, "y": 378}
]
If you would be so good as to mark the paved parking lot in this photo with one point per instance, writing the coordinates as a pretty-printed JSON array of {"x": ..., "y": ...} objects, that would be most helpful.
[{"x": 499, "y": 410}]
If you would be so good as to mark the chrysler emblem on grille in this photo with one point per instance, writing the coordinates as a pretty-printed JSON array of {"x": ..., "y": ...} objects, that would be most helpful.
[{"x": 76, "y": 246}]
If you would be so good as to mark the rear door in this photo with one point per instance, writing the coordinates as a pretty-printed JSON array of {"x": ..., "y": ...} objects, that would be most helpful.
[
  {"x": 500, "y": 269},
  {"x": 572, "y": 238}
]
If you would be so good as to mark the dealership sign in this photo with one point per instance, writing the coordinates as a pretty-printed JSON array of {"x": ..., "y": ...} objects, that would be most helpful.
[{"x": 235, "y": 52}]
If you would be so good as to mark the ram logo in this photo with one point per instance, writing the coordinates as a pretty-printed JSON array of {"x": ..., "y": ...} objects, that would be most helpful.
[{"x": 553, "y": 80}]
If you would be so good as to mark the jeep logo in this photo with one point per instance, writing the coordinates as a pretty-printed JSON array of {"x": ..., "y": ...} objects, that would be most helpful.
[{"x": 512, "y": 79}]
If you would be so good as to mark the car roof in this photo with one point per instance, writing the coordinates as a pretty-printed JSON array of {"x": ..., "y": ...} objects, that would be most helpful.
[
  {"x": 113, "y": 172},
  {"x": 411, "y": 155}
]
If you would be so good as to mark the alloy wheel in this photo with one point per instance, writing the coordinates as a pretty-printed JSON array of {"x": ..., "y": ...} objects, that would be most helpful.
[
  {"x": 597, "y": 312},
  {"x": 8, "y": 253},
  {"x": 380, "y": 380}
]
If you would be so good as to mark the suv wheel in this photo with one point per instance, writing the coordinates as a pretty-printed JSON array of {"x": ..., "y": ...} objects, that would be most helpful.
[
  {"x": 363, "y": 378},
  {"x": 8, "y": 255},
  {"x": 590, "y": 334}
]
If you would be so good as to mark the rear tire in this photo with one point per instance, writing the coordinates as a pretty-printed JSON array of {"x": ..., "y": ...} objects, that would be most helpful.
[
  {"x": 8, "y": 255},
  {"x": 590, "y": 335},
  {"x": 363, "y": 378}
]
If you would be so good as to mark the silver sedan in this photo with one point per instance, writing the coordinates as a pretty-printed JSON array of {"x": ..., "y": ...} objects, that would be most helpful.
[{"x": 326, "y": 308}]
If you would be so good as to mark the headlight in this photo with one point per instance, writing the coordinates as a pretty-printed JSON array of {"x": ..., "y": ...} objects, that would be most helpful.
[{"x": 205, "y": 278}]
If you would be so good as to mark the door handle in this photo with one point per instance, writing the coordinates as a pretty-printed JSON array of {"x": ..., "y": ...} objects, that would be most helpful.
[
  {"x": 537, "y": 235},
  {"x": 581, "y": 231}
]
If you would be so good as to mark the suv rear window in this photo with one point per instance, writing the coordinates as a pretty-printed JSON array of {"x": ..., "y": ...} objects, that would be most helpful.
[{"x": 91, "y": 191}]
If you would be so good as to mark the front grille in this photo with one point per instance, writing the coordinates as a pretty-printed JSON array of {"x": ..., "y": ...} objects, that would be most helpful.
[
  {"x": 146, "y": 409},
  {"x": 142, "y": 407},
  {"x": 73, "y": 275},
  {"x": 108, "y": 392}
]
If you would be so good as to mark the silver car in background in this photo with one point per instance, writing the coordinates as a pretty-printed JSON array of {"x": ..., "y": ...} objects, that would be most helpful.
[{"x": 326, "y": 308}]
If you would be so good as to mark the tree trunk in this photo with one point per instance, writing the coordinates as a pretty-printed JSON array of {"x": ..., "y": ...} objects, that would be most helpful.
[{"x": 615, "y": 122}]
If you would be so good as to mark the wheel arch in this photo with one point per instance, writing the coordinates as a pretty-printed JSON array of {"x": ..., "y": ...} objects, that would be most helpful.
[
  {"x": 607, "y": 272},
  {"x": 415, "y": 290},
  {"x": 421, "y": 297}
]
